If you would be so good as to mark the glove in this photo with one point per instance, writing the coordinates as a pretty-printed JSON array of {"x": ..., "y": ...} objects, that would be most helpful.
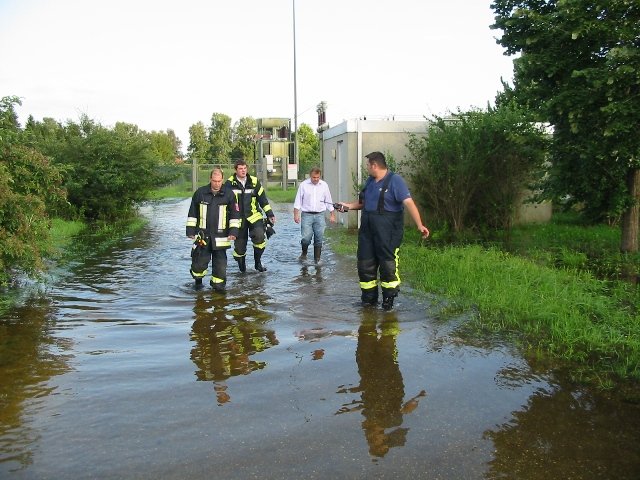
[{"x": 268, "y": 228}]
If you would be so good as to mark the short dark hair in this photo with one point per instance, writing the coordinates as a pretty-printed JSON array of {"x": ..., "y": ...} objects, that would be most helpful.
[
  {"x": 377, "y": 158},
  {"x": 237, "y": 163}
]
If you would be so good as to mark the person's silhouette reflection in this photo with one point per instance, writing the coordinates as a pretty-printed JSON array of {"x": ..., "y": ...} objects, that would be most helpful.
[
  {"x": 224, "y": 340},
  {"x": 381, "y": 385}
]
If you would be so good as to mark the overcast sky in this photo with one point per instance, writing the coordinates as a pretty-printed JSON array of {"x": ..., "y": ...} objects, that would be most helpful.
[{"x": 164, "y": 64}]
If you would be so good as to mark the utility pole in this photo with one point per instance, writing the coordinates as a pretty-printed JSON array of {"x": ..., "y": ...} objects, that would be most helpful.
[
  {"x": 295, "y": 102},
  {"x": 194, "y": 173}
]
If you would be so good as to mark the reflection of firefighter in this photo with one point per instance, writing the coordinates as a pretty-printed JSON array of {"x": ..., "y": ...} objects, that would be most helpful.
[
  {"x": 213, "y": 222},
  {"x": 381, "y": 387},
  {"x": 223, "y": 345},
  {"x": 252, "y": 201}
]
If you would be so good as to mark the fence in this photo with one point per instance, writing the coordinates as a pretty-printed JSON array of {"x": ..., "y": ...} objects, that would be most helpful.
[{"x": 200, "y": 175}]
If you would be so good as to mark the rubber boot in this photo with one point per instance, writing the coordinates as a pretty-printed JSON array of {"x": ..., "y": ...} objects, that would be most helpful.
[
  {"x": 305, "y": 249},
  {"x": 387, "y": 301},
  {"x": 242, "y": 263},
  {"x": 220, "y": 287},
  {"x": 369, "y": 296},
  {"x": 316, "y": 254},
  {"x": 257, "y": 255}
]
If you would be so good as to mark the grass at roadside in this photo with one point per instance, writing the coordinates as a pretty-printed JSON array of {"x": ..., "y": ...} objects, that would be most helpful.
[
  {"x": 66, "y": 236},
  {"x": 172, "y": 191},
  {"x": 277, "y": 195},
  {"x": 565, "y": 243},
  {"x": 564, "y": 313},
  {"x": 63, "y": 231}
]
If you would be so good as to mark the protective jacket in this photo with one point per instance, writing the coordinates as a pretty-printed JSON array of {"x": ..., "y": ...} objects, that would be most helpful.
[
  {"x": 251, "y": 198},
  {"x": 214, "y": 216}
]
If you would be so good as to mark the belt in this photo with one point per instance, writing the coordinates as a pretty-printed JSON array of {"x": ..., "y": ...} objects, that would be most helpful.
[{"x": 313, "y": 213}]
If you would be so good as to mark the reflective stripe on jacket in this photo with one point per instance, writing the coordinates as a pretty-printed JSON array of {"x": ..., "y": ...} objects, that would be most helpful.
[
  {"x": 217, "y": 216},
  {"x": 251, "y": 198}
]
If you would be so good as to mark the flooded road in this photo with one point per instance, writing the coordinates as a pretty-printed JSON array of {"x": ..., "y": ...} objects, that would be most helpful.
[{"x": 120, "y": 369}]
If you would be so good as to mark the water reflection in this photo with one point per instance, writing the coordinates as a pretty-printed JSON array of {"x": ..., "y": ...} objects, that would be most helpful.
[
  {"x": 381, "y": 385},
  {"x": 311, "y": 273},
  {"x": 225, "y": 336},
  {"x": 567, "y": 433},
  {"x": 29, "y": 358}
]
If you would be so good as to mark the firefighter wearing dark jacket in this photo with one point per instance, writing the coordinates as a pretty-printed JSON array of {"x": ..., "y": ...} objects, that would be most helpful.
[
  {"x": 382, "y": 201},
  {"x": 213, "y": 222},
  {"x": 252, "y": 201}
]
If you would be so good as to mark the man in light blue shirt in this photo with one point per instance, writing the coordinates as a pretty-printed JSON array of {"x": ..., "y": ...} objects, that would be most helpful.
[{"x": 313, "y": 199}]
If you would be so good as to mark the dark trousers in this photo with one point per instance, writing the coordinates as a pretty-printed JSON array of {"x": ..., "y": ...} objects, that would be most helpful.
[
  {"x": 379, "y": 240},
  {"x": 200, "y": 258},
  {"x": 254, "y": 230}
]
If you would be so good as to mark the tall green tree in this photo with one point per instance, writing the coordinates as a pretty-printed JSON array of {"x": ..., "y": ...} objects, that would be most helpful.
[
  {"x": 308, "y": 149},
  {"x": 163, "y": 147},
  {"x": 220, "y": 136},
  {"x": 46, "y": 136},
  {"x": 244, "y": 137},
  {"x": 199, "y": 145},
  {"x": 177, "y": 144},
  {"x": 579, "y": 69}
]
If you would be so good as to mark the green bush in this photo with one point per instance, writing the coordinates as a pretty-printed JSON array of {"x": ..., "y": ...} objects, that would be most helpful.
[
  {"x": 109, "y": 170},
  {"x": 470, "y": 170},
  {"x": 28, "y": 183}
]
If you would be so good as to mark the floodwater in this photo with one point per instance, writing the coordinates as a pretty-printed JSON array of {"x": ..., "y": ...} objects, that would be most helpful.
[{"x": 119, "y": 369}]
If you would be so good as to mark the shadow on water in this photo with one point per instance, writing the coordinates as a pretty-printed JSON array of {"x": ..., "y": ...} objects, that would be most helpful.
[{"x": 122, "y": 369}]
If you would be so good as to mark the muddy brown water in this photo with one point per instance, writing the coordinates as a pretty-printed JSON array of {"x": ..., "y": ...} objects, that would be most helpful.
[{"x": 118, "y": 368}]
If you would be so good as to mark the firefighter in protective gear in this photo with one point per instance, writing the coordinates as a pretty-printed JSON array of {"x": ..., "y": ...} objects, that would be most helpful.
[
  {"x": 252, "y": 201},
  {"x": 213, "y": 223},
  {"x": 382, "y": 201}
]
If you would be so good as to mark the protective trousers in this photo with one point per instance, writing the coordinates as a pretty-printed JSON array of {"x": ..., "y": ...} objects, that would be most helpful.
[
  {"x": 379, "y": 240},
  {"x": 200, "y": 257},
  {"x": 256, "y": 232}
]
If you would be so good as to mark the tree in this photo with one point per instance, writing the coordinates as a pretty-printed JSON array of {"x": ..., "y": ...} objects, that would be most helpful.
[
  {"x": 579, "y": 69},
  {"x": 28, "y": 183},
  {"x": 220, "y": 138},
  {"x": 46, "y": 136},
  {"x": 308, "y": 148},
  {"x": 110, "y": 170},
  {"x": 199, "y": 145},
  {"x": 177, "y": 145},
  {"x": 163, "y": 147},
  {"x": 244, "y": 136},
  {"x": 9, "y": 125}
]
